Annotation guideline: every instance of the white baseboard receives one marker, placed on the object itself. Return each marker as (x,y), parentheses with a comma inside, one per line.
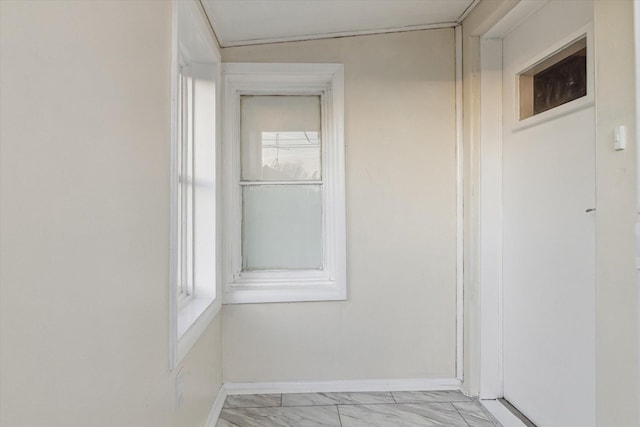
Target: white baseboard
(212,419)
(502,414)
(412,384)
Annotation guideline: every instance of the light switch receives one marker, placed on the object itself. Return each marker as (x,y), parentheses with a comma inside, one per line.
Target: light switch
(620,138)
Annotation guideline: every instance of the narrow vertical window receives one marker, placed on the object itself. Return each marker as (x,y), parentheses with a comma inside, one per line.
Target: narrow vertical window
(194,183)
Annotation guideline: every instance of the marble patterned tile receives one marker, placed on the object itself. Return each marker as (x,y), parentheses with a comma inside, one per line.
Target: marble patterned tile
(474,415)
(300,416)
(429,396)
(310,399)
(401,415)
(253,401)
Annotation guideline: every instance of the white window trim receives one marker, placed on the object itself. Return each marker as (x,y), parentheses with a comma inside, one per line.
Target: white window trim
(326,80)
(193,43)
(569,107)
(184,223)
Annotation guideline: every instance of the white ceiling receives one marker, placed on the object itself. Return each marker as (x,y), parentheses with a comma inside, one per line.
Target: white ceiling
(246,22)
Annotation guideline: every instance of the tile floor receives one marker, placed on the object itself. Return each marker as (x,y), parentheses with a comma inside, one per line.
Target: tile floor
(388,409)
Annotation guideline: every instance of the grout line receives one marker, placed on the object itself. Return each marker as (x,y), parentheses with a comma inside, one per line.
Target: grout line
(484,414)
(252,407)
(459,411)
(342,404)
(461,415)
(373,404)
(488,415)
(348,404)
(325,394)
(413,402)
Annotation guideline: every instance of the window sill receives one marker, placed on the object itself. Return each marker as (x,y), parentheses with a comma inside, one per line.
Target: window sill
(248,294)
(193,319)
(562,110)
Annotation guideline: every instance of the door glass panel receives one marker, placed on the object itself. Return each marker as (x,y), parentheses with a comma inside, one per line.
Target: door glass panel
(557,80)
(280,138)
(281,227)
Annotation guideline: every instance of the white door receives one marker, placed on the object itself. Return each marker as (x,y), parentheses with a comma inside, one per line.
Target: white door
(549,236)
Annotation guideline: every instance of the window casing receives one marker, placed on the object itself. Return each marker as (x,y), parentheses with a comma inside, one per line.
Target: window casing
(571,87)
(195,117)
(557,80)
(284,223)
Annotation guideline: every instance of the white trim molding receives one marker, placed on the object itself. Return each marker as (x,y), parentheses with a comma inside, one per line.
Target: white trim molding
(216,408)
(636,26)
(502,414)
(459,209)
(514,17)
(329,282)
(193,45)
(409,384)
(491,219)
(322,36)
(586,101)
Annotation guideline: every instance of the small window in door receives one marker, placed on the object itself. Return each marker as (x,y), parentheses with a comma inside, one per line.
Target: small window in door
(557,80)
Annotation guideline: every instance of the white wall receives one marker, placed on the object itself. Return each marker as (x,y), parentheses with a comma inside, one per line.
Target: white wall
(84,241)
(616,276)
(399,319)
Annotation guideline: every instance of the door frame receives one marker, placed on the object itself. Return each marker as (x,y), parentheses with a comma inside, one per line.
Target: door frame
(485,205)
(490,181)
(491,385)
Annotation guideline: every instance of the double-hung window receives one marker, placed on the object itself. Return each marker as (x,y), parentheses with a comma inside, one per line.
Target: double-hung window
(284,199)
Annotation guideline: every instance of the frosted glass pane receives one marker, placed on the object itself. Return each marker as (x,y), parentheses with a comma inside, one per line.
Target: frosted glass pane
(281,227)
(280,138)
